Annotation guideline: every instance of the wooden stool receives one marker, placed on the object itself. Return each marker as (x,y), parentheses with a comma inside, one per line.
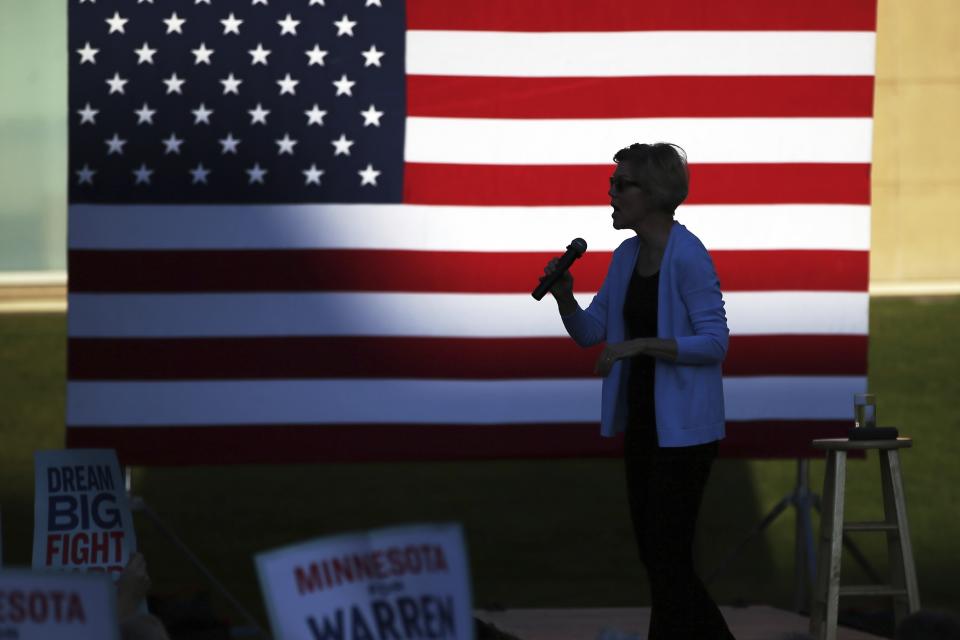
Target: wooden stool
(903,575)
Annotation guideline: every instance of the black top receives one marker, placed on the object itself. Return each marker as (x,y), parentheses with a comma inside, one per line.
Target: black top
(640,317)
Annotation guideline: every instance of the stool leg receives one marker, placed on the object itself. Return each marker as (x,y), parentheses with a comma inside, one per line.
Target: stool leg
(903,573)
(819,596)
(819,586)
(826,600)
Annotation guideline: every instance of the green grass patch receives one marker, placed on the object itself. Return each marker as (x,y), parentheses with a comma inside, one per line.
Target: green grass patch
(548,533)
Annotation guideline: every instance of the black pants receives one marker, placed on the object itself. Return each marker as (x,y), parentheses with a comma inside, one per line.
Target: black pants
(665,486)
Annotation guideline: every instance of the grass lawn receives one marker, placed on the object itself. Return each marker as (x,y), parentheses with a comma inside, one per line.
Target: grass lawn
(540,533)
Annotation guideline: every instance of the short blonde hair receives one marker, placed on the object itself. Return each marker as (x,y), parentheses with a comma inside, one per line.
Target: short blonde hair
(661,170)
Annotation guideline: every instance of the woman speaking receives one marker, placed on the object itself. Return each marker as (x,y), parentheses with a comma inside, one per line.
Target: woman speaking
(661,314)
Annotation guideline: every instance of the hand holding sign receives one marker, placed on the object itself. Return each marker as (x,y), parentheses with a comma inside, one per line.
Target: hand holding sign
(132,586)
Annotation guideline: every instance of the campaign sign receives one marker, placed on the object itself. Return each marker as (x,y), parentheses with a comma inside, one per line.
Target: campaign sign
(56,606)
(82,519)
(404,582)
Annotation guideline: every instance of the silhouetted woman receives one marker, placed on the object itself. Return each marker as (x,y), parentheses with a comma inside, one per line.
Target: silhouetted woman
(661,314)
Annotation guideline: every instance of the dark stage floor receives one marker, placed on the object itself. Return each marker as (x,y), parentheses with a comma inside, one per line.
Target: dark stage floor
(746,623)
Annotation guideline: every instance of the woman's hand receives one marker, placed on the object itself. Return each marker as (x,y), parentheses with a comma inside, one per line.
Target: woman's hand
(562,289)
(614,352)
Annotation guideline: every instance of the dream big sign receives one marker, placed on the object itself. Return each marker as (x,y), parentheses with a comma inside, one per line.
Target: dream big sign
(82,518)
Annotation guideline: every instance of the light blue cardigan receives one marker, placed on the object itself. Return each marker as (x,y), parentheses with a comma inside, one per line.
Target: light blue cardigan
(688,393)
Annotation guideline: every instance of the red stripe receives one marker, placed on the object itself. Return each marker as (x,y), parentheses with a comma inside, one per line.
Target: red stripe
(656,97)
(285,444)
(780,439)
(440,358)
(793,270)
(427,271)
(536,185)
(617,15)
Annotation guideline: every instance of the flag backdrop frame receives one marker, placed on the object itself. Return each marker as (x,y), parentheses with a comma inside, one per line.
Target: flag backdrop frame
(271,328)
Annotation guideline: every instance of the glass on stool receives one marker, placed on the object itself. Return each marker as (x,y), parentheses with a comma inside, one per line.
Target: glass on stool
(864,410)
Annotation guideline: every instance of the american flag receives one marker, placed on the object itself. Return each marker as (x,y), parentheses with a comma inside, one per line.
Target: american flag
(308,229)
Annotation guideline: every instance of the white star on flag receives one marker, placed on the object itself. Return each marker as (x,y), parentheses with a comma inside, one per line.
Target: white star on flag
(258,115)
(172,144)
(341,145)
(142,174)
(202,54)
(174,23)
(231,24)
(200,174)
(371,116)
(145,114)
(312,175)
(288,85)
(315,115)
(316,55)
(368,176)
(288,25)
(316,2)
(85,175)
(344,86)
(88,115)
(371,57)
(229,144)
(145,54)
(345,26)
(115,145)
(231,85)
(88,54)
(116,23)
(174,84)
(259,54)
(285,145)
(371,3)
(256,173)
(201,114)
(263,2)
(116,84)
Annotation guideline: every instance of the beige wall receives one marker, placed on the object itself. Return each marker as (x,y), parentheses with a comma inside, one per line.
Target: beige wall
(916,164)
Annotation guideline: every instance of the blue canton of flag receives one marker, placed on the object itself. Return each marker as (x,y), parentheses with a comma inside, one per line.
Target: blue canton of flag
(209,102)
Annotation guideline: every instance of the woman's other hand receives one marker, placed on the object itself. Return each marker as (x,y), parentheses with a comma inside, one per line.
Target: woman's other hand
(614,352)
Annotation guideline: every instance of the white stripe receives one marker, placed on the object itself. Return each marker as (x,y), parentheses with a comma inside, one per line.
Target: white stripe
(641,53)
(791,226)
(797,312)
(335,401)
(791,397)
(420,314)
(589,141)
(421,401)
(444,228)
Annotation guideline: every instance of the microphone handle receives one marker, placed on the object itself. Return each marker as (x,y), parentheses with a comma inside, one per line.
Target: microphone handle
(565,261)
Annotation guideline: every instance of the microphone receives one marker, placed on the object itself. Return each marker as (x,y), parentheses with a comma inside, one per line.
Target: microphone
(574,250)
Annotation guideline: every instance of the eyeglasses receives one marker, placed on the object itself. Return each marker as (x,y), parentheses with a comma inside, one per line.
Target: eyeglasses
(619,183)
